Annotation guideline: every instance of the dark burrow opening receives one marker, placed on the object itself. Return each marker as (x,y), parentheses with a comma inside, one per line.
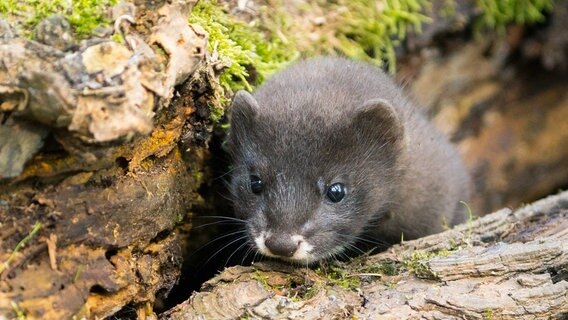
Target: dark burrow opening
(211,242)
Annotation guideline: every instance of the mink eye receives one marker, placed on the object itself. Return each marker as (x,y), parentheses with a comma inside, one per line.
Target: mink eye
(255,184)
(335,192)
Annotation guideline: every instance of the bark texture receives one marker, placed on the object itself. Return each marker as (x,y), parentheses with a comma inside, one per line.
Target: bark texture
(87,225)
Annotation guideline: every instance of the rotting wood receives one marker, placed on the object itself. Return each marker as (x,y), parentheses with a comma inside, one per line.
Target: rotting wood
(105,91)
(110,195)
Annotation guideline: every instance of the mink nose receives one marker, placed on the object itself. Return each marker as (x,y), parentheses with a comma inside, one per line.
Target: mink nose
(282,245)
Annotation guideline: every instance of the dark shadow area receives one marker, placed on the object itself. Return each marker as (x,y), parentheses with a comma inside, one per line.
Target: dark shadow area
(210,242)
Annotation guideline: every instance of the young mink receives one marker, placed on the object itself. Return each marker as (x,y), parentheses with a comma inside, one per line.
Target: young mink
(329,152)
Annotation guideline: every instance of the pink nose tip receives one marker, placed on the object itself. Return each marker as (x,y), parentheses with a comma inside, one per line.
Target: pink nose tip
(282,245)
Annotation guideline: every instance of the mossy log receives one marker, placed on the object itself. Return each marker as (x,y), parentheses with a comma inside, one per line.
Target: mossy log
(506,265)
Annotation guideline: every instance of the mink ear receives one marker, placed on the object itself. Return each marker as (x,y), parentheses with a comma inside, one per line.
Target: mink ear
(243,111)
(377,120)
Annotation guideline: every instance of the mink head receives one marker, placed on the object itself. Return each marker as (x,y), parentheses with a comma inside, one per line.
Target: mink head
(310,174)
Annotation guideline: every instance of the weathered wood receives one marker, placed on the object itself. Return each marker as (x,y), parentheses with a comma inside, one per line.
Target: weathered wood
(87,226)
(478,270)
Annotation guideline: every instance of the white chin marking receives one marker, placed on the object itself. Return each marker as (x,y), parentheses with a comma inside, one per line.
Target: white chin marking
(304,250)
(303,253)
(259,241)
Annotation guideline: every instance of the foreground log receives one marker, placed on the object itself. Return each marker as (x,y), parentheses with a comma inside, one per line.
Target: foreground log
(506,265)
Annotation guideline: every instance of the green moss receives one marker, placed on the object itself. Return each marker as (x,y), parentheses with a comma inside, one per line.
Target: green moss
(417,262)
(468,239)
(117,37)
(83,15)
(371,30)
(362,29)
(20,315)
(78,273)
(263,280)
(197,175)
(311,292)
(295,289)
(301,292)
(241,47)
(246,316)
(339,277)
(488,314)
(389,269)
(497,14)
(6,264)
(448,8)
(217,111)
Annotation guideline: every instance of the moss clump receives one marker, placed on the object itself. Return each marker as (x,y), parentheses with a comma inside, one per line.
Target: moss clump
(417,263)
(241,47)
(20,315)
(359,29)
(387,268)
(300,290)
(83,15)
(117,37)
(339,277)
(263,280)
(497,14)
(246,316)
(311,292)
(371,30)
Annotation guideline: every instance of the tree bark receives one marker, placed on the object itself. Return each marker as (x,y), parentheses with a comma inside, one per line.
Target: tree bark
(87,225)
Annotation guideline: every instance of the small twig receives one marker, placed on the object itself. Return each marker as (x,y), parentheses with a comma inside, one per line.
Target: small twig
(366,275)
(469,223)
(19,313)
(19,246)
(78,273)
(52,250)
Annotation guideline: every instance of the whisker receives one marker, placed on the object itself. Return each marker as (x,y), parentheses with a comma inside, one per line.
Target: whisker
(225,246)
(229,258)
(221,217)
(224,223)
(250,249)
(355,248)
(254,257)
(227,198)
(341,254)
(219,238)
(228,172)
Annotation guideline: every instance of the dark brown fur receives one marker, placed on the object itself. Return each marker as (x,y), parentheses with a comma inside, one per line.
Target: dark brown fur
(330,120)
